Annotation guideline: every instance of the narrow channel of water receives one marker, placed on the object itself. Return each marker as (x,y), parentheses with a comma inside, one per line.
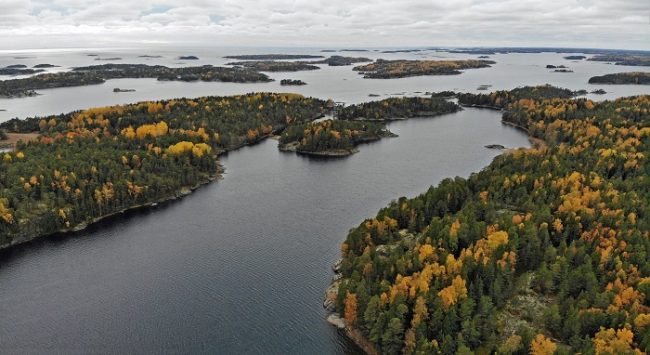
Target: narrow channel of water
(238,267)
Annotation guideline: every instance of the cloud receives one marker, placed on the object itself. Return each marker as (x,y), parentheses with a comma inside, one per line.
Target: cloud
(577,23)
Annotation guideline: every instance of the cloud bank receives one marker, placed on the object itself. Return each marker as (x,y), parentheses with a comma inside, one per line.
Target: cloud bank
(573,23)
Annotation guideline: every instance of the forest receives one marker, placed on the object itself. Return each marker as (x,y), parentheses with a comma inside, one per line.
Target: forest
(88,164)
(545,251)
(639,78)
(331,137)
(398,108)
(98,74)
(389,69)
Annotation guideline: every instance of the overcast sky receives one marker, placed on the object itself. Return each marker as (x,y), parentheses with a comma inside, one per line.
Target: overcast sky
(343,23)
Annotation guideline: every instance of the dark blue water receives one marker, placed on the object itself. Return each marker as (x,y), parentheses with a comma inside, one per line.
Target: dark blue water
(238,267)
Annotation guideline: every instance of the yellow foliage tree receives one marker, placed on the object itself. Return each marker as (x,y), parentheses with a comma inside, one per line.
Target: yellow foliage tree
(455,292)
(350,309)
(541,345)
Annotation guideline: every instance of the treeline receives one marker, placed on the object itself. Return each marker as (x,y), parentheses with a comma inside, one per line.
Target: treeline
(398,107)
(91,163)
(97,74)
(544,251)
(331,137)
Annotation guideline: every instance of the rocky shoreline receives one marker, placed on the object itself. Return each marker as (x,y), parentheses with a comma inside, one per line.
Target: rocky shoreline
(334,319)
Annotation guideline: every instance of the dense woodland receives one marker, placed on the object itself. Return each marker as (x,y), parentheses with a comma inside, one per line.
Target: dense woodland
(331,137)
(398,108)
(388,69)
(97,74)
(91,163)
(544,251)
(640,78)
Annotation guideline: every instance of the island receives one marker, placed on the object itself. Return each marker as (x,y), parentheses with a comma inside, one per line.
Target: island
(98,74)
(337,60)
(635,78)
(45,65)
(331,138)
(575,57)
(150,56)
(599,92)
(188,57)
(499,100)
(542,249)
(389,69)
(13,70)
(286,82)
(108,58)
(272,56)
(623,59)
(396,108)
(563,71)
(274,66)
(123,90)
(87,165)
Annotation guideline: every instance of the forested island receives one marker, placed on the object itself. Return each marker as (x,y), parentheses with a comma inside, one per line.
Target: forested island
(86,165)
(332,138)
(623,59)
(388,69)
(337,60)
(637,78)
(273,66)
(396,108)
(292,82)
(272,56)
(575,57)
(98,74)
(544,251)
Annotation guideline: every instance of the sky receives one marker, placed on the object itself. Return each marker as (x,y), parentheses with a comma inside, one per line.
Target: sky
(33,24)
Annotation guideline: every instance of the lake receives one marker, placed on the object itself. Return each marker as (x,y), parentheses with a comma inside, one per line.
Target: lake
(241,265)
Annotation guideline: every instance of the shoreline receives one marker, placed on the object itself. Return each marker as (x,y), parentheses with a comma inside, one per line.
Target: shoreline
(81,226)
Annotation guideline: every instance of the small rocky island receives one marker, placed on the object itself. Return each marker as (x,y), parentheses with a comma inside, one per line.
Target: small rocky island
(635,78)
(331,138)
(45,65)
(290,82)
(188,57)
(390,69)
(123,90)
(599,92)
